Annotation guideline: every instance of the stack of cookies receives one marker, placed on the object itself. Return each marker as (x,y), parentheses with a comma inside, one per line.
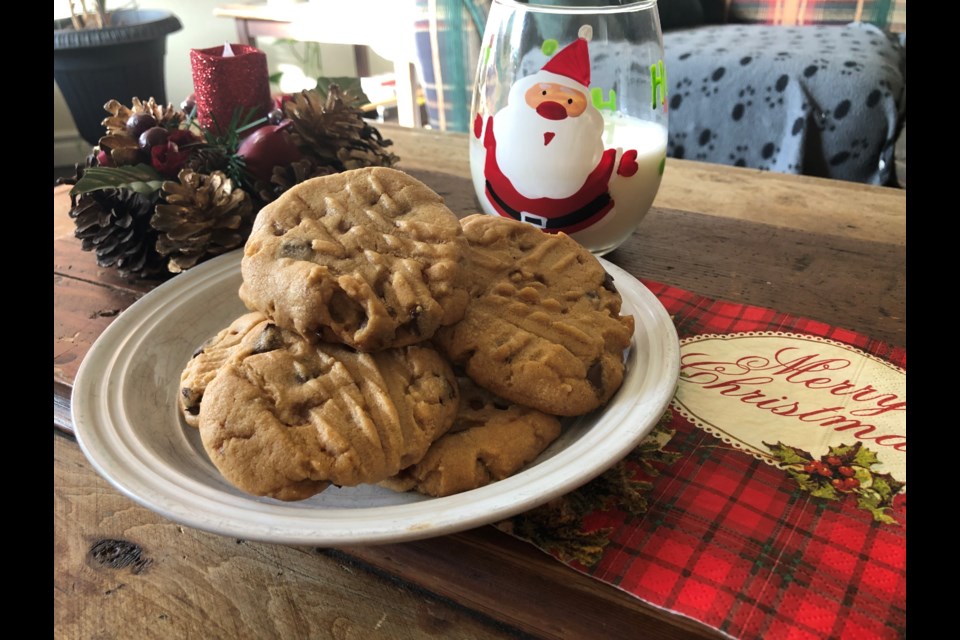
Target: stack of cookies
(387,342)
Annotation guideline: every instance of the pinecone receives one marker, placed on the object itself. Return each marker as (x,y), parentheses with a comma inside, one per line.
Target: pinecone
(115,223)
(332,130)
(116,124)
(122,149)
(285,177)
(203,216)
(207,159)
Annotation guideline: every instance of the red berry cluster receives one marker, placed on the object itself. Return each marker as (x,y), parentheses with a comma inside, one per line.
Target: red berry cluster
(835,470)
(157,145)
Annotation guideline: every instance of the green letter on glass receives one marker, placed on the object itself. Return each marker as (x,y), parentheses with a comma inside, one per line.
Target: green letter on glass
(658,80)
(596,96)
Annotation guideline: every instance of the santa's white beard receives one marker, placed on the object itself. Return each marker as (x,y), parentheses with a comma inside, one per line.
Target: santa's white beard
(554,170)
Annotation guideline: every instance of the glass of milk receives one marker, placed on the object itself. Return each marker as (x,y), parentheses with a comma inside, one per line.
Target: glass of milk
(569,116)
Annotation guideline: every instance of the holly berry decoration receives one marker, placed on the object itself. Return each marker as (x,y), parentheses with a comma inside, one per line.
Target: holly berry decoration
(843,471)
(168,153)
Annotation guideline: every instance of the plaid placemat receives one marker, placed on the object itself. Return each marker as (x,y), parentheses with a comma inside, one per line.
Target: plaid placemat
(762,540)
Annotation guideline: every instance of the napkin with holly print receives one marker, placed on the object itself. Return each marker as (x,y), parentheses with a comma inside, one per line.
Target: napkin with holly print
(769,501)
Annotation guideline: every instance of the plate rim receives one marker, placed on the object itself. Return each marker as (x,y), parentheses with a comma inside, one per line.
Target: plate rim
(291,523)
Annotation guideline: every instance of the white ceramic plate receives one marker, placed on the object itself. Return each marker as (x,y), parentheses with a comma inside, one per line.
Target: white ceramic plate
(126,421)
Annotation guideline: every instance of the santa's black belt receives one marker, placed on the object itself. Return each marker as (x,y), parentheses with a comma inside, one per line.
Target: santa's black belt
(585,212)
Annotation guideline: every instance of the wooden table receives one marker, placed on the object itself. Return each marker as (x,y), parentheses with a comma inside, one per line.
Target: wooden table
(828,250)
(386,26)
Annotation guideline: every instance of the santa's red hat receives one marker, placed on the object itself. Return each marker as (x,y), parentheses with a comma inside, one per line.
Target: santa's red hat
(573,61)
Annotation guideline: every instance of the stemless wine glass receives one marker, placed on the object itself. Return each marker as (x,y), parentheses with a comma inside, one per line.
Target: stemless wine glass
(569,116)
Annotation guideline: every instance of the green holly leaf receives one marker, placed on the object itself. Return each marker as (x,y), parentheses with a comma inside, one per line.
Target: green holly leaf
(886,486)
(651,448)
(805,480)
(787,454)
(553,528)
(648,452)
(880,516)
(827,491)
(869,501)
(865,458)
(347,84)
(141,178)
(846,452)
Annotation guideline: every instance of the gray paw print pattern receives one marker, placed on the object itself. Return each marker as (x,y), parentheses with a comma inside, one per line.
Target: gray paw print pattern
(825,101)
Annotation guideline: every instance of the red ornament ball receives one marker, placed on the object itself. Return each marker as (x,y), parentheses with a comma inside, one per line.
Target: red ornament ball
(268,147)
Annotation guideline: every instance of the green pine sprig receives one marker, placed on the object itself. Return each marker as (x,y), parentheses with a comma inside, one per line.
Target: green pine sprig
(229,141)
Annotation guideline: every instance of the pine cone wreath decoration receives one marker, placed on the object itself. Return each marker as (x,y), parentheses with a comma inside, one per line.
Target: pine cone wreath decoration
(202,216)
(332,130)
(129,210)
(115,224)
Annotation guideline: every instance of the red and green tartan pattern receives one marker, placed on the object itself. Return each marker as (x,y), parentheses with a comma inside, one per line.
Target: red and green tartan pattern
(734,542)
(890,15)
(695,315)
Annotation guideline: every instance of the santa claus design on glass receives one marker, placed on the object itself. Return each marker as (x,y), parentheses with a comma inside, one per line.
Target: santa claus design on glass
(569,116)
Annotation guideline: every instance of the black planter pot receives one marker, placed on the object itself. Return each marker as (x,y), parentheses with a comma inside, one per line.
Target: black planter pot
(122,61)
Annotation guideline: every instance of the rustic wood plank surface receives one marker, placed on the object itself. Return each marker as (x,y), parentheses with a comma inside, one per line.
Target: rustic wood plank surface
(83,311)
(828,250)
(134,574)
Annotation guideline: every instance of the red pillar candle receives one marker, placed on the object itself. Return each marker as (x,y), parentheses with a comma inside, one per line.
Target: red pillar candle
(222,84)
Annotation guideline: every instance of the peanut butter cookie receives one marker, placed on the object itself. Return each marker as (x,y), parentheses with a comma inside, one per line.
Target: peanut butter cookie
(284,418)
(205,362)
(370,258)
(491,439)
(543,327)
